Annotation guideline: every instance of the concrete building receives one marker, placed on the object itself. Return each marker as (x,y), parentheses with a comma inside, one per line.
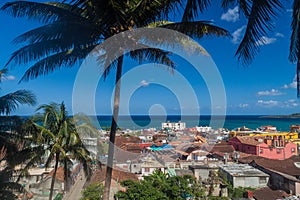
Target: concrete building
(203,129)
(174,126)
(284,174)
(243,175)
(150,165)
(91,145)
(201,172)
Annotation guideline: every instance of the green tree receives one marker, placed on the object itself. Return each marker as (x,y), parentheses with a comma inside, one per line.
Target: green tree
(60,43)
(93,192)
(56,132)
(160,186)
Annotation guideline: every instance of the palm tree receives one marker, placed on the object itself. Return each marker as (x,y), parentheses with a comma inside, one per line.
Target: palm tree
(58,135)
(9,138)
(10,102)
(59,43)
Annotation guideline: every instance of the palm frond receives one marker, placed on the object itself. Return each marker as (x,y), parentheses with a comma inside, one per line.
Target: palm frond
(41,12)
(262,12)
(193,7)
(197,29)
(154,55)
(11,101)
(61,30)
(56,61)
(295,41)
(295,36)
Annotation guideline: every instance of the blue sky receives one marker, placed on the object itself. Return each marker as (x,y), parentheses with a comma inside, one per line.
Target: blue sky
(267,86)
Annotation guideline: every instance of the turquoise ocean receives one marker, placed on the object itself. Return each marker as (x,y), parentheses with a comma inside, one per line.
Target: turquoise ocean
(230,122)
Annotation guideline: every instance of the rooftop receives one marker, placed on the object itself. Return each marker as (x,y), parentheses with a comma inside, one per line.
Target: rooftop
(117,174)
(267,193)
(242,170)
(288,166)
(249,140)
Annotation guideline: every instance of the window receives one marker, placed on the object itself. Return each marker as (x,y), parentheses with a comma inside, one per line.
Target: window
(260,151)
(293,150)
(278,150)
(147,169)
(262,180)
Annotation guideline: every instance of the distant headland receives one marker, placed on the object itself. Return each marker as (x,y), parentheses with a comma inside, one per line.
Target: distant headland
(294,115)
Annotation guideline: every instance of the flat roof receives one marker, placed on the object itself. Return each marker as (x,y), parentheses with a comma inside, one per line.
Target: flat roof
(242,170)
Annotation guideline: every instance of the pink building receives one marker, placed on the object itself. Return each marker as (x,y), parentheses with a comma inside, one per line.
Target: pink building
(275,148)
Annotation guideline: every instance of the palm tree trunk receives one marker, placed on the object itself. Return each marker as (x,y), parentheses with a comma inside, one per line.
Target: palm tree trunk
(53,176)
(66,175)
(113,130)
(298,76)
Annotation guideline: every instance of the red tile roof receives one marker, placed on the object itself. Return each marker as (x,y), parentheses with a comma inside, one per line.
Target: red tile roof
(286,166)
(117,175)
(126,139)
(248,140)
(59,174)
(225,148)
(267,193)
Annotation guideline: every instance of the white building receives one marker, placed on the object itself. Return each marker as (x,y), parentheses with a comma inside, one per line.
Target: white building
(203,129)
(175,126)
(91,145)
(243,175)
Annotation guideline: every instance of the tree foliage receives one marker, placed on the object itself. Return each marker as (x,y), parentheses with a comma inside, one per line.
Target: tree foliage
(93,192)
(161,186)
(56,132)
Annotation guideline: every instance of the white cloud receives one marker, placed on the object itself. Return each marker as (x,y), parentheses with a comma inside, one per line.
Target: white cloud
(232,15)
(293,84)
(272,92)
(237,34)
(269,103)
(8,78)
(265,41)
(280,35)
(243,105)
(291,103)
(144,83)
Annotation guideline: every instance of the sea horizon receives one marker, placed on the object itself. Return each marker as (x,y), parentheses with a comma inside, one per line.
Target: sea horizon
(230,122)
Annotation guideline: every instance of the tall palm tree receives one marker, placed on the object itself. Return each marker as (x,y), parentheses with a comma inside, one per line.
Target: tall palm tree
(60,43)
(58,135)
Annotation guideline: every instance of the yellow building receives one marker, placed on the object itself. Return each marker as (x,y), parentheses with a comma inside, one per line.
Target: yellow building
(284,135)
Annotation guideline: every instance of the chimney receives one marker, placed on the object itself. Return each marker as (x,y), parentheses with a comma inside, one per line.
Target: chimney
(248,194)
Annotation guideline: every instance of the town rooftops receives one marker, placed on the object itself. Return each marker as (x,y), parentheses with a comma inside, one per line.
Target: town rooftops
(222,147)
(242,170)
(250,140)
(205,166)
(117,174)
(288,166)
(59,174)
(128,139)
(39,171)
(267,193)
